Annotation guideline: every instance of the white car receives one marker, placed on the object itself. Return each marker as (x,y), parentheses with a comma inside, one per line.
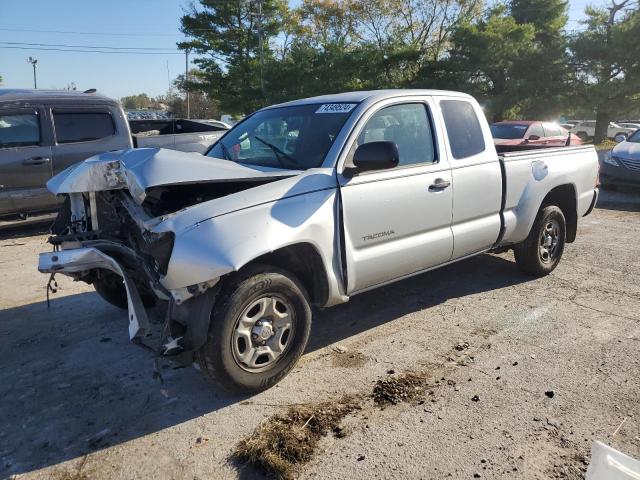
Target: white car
(635,126)
(616,131)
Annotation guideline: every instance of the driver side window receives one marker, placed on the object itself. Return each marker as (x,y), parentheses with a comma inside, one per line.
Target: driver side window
(408,126)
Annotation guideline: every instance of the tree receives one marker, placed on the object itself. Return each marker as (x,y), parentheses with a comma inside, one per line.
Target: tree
(545,83)
(136,102)
(605,56)
(231,37)
(488,58)
(201,105)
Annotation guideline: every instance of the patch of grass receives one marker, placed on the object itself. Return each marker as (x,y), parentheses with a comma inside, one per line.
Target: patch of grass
(284,441)
(395,390)
(606,145)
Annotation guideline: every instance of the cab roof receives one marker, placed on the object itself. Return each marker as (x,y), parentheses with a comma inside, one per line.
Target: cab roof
(28,96)
(372,95)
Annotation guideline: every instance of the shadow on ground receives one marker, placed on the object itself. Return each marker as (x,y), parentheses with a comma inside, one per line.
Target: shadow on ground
(21,229)
(71,382)
(623,199)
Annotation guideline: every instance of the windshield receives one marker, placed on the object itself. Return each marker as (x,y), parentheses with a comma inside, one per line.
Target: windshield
(289,137)
(505,131)
(634,137)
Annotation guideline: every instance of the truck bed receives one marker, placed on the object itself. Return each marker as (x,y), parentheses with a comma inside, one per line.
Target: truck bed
(528,173)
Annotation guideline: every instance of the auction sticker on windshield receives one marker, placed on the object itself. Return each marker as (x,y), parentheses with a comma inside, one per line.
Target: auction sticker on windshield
(336,108)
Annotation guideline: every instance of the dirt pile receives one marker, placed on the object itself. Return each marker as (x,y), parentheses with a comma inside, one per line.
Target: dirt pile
(395,390)
(284,441)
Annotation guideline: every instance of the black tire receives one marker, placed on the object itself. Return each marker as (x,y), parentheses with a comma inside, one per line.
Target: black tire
(217,359)
(529,256)
(582,136)
(110,287)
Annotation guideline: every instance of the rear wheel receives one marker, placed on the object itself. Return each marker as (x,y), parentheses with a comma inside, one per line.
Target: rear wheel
(259,328)
(110,287)
(582,136)
(542,250)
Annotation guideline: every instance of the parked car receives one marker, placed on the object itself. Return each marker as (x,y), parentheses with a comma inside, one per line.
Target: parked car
(176,133)
(587,129)
(306,203)
(42,132)
(635,126)
(526,135)
(621,166)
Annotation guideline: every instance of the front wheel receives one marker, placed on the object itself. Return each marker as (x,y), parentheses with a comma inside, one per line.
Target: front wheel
(259,328)
(541,251)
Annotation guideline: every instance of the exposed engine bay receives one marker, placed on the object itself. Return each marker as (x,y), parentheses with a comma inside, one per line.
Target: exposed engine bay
(113,232)
(168,199)
(112,223)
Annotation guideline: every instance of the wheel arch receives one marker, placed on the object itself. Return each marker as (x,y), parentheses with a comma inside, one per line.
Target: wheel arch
(565,198)
(305,262)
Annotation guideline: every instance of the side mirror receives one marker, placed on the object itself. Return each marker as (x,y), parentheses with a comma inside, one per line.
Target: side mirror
(533,137)
(376,156)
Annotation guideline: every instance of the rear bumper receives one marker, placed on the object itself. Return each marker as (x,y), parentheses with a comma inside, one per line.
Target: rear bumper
(80,260)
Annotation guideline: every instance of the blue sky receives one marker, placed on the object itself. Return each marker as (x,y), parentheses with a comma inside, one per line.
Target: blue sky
(119,24)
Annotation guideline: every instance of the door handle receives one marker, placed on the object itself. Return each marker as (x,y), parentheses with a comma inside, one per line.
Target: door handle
(439,184)
(36,161)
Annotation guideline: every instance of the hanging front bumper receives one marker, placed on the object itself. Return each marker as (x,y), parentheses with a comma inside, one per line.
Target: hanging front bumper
(78,260)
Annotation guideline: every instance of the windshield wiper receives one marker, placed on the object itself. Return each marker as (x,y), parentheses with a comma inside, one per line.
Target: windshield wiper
(277,152)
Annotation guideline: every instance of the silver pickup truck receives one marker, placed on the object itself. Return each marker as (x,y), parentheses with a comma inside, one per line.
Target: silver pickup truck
(300,204)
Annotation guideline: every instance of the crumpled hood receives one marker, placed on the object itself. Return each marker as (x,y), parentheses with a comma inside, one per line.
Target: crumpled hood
(143,168)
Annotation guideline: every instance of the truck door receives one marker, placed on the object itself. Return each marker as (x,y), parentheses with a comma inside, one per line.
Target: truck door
(398,221)
(25,161)
(477,177)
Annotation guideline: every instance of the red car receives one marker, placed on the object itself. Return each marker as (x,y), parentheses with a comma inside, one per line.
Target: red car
(521,135)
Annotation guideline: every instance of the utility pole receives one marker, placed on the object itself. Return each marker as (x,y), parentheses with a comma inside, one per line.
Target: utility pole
(260,47)
(33,61)
(186,80)
(259,19)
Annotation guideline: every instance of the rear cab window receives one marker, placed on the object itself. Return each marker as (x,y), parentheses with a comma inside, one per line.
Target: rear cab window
(73,127)
(463,128)
(19,129)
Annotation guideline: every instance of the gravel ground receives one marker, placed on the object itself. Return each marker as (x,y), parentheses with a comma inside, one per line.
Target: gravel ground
(79,401)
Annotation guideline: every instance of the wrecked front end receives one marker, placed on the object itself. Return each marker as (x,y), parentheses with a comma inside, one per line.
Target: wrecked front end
(116,230)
